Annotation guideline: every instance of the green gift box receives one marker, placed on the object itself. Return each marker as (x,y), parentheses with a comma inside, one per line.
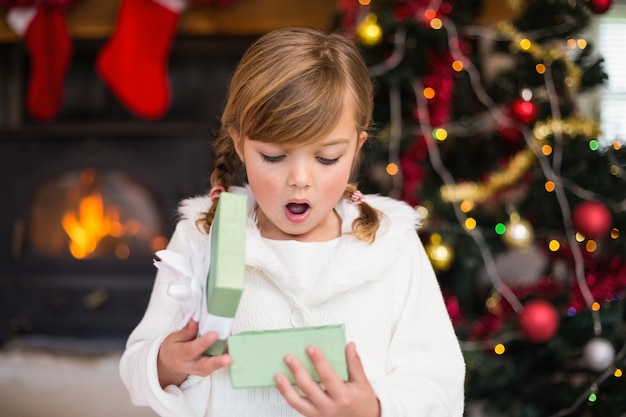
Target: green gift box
(259,355)
(227,271)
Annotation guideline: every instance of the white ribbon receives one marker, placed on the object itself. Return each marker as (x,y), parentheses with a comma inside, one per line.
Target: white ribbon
(185,287)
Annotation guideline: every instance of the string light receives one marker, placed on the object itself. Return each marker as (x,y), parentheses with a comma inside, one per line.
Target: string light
(546,150)
(591,246)
(457,65)
(429,93)
(440,134)
(554,245)
(392,169)
(436,23)
(469,194)
(466,206)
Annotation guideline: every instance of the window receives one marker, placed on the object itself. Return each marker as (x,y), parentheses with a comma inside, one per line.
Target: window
(610,44)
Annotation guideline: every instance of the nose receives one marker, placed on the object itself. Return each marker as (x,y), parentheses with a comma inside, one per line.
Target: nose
(299,174)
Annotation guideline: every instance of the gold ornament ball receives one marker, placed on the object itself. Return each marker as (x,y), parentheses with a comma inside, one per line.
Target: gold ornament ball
(369,31)
(519,234)
(440,254)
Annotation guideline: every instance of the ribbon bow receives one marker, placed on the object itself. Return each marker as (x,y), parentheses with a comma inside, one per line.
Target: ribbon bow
(185,288)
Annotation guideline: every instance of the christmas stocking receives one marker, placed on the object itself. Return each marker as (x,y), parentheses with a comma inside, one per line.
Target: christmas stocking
(49,46)
(133,64)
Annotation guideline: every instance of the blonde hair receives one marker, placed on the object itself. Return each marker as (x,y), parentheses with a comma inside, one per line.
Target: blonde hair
(290,88)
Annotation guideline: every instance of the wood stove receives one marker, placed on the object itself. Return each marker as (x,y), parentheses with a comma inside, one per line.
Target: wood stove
(88,199)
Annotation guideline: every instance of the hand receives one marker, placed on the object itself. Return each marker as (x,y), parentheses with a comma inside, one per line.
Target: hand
(182,354)
(356,397)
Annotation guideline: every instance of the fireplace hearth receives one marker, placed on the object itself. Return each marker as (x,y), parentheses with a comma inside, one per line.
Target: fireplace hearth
(88,198)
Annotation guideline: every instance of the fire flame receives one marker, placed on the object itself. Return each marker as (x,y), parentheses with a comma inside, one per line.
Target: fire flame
(86,229)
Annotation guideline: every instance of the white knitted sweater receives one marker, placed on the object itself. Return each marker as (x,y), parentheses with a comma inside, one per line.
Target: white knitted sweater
(385,293)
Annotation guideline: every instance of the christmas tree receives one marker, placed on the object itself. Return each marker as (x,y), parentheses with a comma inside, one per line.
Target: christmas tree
(480,127)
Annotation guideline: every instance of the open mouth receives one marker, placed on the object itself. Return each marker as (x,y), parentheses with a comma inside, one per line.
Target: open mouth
(297,208)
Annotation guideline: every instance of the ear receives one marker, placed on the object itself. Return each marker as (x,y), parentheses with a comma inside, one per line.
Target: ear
(361,141)
(234,136)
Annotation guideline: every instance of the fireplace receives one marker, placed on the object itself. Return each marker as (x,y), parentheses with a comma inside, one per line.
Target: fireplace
(88,198)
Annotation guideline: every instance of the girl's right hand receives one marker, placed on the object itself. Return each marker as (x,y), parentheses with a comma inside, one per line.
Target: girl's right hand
(182,354)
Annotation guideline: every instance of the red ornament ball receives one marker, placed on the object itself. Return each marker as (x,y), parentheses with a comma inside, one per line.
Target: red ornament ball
(538,321)
(524,111)
(599,6)
(592,219)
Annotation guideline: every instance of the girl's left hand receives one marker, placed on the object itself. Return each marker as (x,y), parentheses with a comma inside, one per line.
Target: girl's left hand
(354,397)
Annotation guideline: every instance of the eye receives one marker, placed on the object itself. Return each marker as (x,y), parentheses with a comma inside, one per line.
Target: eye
(327,161)
(272,159)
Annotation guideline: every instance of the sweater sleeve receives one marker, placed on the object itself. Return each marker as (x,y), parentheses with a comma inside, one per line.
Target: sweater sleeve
(425,366)
(138,365)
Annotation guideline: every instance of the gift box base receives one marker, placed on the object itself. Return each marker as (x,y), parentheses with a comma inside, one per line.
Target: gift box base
(259,356)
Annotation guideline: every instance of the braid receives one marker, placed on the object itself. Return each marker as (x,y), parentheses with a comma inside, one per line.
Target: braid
(224,173)
(366,225)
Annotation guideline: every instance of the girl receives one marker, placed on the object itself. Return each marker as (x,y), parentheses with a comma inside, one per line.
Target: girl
(317,252)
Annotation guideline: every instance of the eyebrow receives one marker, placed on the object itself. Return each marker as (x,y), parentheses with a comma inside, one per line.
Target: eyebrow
(333,142)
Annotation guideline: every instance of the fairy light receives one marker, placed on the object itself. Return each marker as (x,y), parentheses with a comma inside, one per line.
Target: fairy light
(457,65)
(364,2)
(429,93)
(540,68)
(571,43)
(618,373)
(430,14)
(499,349)
(470,223)
(591,246)
(436,23)
(444,173)
(546,150)
(549,186)
(595,306)
(392,169)
(614,233)
(579,237)
(500,228)
(617,145)
(440,134)
(525,44)
(554,245)
(581,43)
(594,145)
(466,206)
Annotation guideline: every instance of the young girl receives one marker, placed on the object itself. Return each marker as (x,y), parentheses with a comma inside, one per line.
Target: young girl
(317,252)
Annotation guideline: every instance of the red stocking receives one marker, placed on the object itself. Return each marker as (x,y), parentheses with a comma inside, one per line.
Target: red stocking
(133,64)
(50,49)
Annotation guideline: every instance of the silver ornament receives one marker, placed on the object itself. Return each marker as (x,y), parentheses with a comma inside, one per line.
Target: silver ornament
(599,354)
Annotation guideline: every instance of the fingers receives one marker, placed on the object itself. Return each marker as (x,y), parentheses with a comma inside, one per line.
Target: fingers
(184,351)
(327,375)
(356,373)
(301,404)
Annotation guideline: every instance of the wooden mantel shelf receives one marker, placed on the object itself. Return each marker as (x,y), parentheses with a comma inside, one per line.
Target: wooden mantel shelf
(95,19)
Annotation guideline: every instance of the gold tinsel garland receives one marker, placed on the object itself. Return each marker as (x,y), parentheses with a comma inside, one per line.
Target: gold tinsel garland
(544,55)
(478,192)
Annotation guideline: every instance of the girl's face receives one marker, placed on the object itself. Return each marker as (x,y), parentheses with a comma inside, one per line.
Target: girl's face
(297,187)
